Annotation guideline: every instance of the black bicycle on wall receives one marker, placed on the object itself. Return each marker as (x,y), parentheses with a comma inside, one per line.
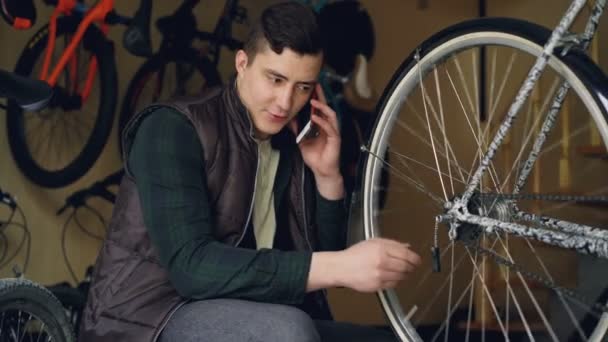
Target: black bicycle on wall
(186,62)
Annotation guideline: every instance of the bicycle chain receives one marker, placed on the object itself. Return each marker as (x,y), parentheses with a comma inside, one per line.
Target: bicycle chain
(548,197)
(595,306)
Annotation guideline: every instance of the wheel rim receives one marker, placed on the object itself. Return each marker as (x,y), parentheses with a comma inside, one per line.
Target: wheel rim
(404,112)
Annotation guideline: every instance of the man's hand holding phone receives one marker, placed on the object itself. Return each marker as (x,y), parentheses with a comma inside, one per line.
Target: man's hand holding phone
(320,146)
(309,130)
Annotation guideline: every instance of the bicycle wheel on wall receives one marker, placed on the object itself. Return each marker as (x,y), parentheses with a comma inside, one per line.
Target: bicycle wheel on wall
(165,76)
(57,145)
(429,124)
(29,312)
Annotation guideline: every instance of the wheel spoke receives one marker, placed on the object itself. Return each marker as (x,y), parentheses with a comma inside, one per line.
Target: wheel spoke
(428,122)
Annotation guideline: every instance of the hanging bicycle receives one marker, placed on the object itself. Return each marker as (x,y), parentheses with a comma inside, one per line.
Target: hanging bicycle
(56,146)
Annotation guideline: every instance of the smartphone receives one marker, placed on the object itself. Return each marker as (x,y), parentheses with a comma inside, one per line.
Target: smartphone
(309,130)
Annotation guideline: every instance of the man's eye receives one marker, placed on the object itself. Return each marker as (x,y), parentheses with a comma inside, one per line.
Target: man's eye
(305,88)
(275,79)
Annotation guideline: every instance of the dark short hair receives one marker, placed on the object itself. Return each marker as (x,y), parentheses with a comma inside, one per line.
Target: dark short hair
(289,25)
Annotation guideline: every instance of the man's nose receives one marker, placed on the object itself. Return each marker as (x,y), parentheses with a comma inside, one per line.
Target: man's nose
(285,99)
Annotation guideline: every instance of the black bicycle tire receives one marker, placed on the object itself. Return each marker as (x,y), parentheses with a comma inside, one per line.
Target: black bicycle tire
(103,50)
(28,296)
(204,65)
(583,66)
(68,296)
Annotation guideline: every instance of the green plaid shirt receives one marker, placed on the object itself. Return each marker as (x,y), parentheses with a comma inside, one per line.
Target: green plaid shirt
(166,162)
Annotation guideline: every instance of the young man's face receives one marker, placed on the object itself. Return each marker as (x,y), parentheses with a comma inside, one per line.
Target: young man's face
(274,87)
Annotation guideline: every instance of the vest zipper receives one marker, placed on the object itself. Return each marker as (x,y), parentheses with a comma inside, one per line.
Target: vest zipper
(255,184)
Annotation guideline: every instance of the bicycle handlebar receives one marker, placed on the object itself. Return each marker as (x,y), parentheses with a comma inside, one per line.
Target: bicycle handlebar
(29,93)
(99,188)
(7,199)
(136,38)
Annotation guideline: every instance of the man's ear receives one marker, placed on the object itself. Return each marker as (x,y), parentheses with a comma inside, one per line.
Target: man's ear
(240,60)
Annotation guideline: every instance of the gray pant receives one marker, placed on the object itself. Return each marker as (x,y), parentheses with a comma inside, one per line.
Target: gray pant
(231,320)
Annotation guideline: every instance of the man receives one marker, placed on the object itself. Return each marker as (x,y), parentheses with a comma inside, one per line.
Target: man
(224,229)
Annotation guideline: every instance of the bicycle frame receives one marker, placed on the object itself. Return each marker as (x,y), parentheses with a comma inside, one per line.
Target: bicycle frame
(97,13)
(220,36)
(587,239)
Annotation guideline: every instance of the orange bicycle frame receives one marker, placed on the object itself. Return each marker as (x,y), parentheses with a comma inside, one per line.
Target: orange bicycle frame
(96,13)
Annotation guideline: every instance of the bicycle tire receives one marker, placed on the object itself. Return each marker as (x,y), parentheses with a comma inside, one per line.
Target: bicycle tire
(83,154)
(73,300)
(587,81)
(133,101)
(29,298)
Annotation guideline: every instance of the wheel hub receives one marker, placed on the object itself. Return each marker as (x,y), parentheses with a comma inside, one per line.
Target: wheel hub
(484,205)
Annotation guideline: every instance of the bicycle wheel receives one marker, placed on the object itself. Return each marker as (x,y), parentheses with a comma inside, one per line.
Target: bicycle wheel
(29,312)
(492,285)
(165,76)
(56,146)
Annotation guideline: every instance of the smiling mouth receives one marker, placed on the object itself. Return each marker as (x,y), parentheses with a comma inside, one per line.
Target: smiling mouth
(277,117)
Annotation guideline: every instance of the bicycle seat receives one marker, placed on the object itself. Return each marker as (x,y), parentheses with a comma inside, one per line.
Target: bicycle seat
(136,38)
(357,91)
(29,93)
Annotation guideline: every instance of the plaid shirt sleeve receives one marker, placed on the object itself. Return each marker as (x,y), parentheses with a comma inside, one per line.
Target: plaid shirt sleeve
(166,162)
(331,218)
